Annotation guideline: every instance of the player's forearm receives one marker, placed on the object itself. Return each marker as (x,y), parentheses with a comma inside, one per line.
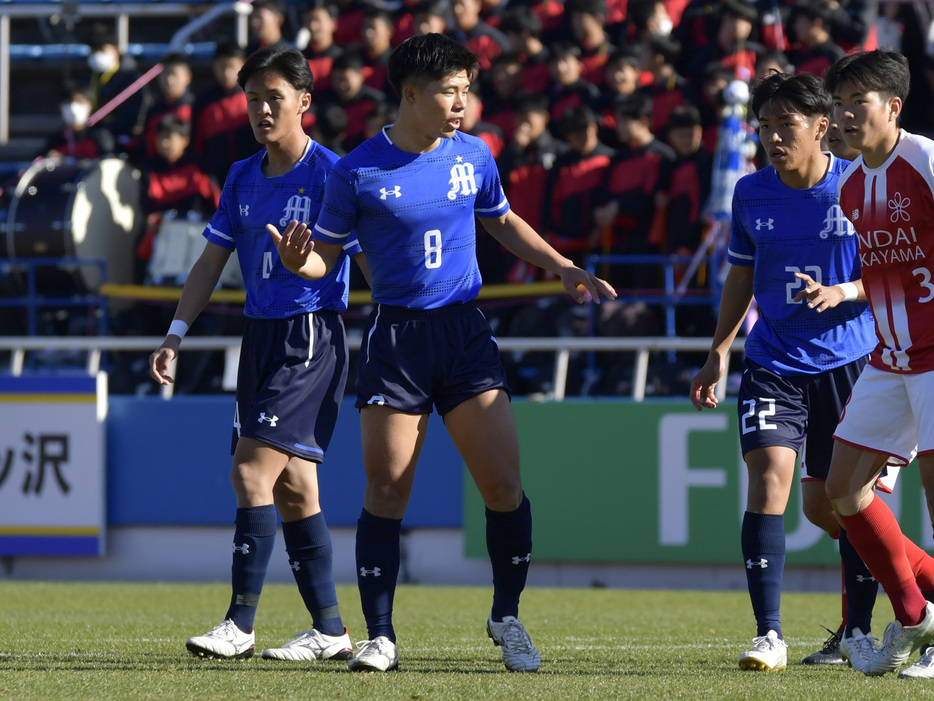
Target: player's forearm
(523,241)
(198,288)
(734,304)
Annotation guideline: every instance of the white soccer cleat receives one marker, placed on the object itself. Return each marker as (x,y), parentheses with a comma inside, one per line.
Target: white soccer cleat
(519,654)
(898,642)
(769,654)
(313,645)
(377,655)
(224,642)
(829,653)
(922,669)
(858,649)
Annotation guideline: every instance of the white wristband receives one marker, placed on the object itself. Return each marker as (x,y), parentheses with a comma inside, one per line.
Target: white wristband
(850,292)
(177,328)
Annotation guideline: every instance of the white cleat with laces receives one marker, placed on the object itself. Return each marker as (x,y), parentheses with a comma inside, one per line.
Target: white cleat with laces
(519,654)
(858,649)
(313,645)
(899,641)
(922,669)
(223,642)
(769,654)
(377,655)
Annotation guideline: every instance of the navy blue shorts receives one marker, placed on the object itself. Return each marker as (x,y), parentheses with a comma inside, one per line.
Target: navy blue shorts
(795,410)
(291,381)
(412,359)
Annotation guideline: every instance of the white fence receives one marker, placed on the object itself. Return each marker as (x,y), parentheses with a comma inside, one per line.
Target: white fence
(561,347)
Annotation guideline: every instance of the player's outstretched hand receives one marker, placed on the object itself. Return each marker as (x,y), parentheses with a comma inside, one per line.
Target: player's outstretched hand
(160,362)
(819,298)
(584,286)
(703,385)
(294,244)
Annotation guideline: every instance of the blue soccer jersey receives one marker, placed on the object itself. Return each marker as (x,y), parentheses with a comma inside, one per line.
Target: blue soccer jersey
(781,231)
(249,201)
(414,216)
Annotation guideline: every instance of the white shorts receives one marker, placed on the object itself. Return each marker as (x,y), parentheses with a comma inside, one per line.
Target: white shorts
(891,414)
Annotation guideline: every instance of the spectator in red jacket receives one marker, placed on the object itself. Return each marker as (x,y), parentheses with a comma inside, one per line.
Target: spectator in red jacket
(523,30)
(667,89)
(320,22)
(469,29)
(176,98)
(376,45)
(221,127)
(349,91)
(472,123)
(813,51)
(587,19)
(567,88)
(622,79)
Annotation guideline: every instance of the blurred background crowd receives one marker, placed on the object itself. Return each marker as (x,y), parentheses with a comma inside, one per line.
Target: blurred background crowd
(605,117)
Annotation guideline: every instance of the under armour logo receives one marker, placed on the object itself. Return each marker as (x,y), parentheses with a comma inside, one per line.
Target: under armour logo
(863,578)
(516,559)
(378,400)
(384,193)
(763,563)
(244,210)
(242,549)
(364,571)
(295,565)
(768,224)
(271,419)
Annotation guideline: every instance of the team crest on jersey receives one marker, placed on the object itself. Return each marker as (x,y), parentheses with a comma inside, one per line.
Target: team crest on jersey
(899,207)
(854,215)
(462,180)
(836,223)
(298,208)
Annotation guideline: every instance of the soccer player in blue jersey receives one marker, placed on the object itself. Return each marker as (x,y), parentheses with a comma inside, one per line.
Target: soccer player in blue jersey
(293,363)
(793,249)
(411,193)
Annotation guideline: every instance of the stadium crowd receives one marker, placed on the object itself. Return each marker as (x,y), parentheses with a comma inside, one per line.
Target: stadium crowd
(603,116)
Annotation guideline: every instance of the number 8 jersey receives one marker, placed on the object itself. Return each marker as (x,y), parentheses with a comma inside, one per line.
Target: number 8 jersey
(781,231)
(892,208)
(413,215)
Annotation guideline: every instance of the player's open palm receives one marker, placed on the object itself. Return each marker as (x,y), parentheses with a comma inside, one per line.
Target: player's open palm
(294,244)
(704,383)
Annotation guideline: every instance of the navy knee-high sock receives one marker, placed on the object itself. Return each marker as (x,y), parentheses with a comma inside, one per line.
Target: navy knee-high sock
(861,587)
(763,544)
(509,543)
(378,557)
(311,558)
(254,539)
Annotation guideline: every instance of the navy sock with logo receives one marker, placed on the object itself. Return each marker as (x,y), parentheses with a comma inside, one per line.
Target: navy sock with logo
(254,539)
(311,558)
(763,544)
(509,543)
(861,587)
(378,558)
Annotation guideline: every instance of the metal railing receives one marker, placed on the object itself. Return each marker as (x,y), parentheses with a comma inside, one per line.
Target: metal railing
(18,346)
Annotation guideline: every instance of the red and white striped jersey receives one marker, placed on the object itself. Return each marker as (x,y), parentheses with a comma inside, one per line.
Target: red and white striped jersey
(892,210)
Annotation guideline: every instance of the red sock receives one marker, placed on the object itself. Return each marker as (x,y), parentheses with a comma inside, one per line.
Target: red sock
(878,539)
(922,565)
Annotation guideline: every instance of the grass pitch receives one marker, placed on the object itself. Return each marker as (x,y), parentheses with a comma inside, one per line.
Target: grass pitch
(126,641)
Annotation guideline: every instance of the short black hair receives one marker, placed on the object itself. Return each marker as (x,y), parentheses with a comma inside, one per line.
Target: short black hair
(812,9)
(740,9)
(625,56)
(277,6)
(563,49)
(426,57)
(102,35)
(637,105)
(173,124)
(527,101)
(577,119)
(596,8)
(349,60)
(884,71)
(288,63)
(667,47)
(521,19)
(684,116)
(175,59)
(228,48)
(801,93)
(327,5)
(331,121)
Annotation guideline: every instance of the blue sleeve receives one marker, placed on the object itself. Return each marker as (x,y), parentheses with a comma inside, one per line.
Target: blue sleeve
(742,250)
(491,201)
(338,215)
(219,230)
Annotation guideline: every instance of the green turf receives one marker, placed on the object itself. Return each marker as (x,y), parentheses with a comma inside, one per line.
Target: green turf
(126,641)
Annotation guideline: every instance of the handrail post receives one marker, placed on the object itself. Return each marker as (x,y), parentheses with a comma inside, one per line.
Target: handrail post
(640,375)
(562,357)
